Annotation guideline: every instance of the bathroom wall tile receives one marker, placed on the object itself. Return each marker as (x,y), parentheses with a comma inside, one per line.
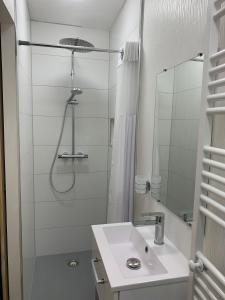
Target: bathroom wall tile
(63,240)
(180,193)
(113,70)
(89,131)
(50,101)
(51,89)
(165,81)
(164,132)
(88,186)
(70,213)
(188,76)
(164,157)
(47,129)
(52,33)
(184,133)
(165,101)
(187,104)
(183,162)
(89,73)
(112,102)
(97,159)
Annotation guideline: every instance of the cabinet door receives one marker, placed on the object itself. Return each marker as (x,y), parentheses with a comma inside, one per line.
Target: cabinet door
(102,284)
(98,277)
(108,294)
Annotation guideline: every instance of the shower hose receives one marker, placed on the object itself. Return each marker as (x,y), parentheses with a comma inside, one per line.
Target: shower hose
(55,158)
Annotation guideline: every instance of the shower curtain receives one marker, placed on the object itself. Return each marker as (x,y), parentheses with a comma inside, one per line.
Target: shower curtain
(121,187)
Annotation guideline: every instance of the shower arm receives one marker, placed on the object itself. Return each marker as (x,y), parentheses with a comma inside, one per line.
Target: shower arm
(73,48)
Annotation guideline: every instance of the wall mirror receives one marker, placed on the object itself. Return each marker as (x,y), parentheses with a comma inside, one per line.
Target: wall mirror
(177,111)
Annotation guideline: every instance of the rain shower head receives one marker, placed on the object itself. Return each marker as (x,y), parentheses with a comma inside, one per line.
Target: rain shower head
(76,42)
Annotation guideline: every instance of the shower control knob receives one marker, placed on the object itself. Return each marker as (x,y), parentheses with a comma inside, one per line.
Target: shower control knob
(78,155)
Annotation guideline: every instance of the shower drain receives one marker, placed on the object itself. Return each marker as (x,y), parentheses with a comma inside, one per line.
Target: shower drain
(73,263)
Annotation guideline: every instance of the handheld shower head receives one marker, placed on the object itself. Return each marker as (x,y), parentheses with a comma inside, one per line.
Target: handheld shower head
(74,92)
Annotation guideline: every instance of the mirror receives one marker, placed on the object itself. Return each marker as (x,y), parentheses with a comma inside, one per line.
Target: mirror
(177,112)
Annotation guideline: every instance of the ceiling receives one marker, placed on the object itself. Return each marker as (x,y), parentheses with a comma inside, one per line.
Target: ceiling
(87,13)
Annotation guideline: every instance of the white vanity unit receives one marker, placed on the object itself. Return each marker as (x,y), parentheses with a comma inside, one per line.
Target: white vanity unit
(163,274)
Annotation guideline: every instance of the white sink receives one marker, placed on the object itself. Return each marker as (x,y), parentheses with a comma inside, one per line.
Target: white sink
(159,264)
(126,242)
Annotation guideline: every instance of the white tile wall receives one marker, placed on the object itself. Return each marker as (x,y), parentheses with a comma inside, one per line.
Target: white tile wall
(165,101)
(188,75)
(26,149)
(97,159)
(70,213)
(186,104)
(164,157)
(50,101)
(90,73)
(112,101)
(180,193)
(183,162)
(88,131)
(163,121)
(63,240)
(63,220)
(88,185)
(184,135)
(165,81)
(52,33)
(164,132)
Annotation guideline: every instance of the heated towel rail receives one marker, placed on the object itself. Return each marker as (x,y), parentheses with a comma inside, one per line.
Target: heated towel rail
(208,281)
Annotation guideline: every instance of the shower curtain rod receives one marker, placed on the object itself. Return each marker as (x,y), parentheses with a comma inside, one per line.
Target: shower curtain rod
(26,43)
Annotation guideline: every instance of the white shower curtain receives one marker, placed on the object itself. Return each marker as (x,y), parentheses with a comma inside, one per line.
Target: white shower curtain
(120,206)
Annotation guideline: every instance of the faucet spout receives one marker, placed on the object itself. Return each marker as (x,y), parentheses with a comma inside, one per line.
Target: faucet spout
(158,219)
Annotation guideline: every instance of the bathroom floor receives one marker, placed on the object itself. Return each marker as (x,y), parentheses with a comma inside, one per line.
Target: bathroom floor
(55,280)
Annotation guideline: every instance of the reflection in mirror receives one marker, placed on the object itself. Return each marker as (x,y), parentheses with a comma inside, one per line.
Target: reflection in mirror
(178,101)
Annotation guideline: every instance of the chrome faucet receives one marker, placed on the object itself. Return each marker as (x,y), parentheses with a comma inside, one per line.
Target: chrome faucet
(157,219)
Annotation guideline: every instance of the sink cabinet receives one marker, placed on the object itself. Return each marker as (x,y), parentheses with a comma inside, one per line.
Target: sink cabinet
(102,290)
(173,291)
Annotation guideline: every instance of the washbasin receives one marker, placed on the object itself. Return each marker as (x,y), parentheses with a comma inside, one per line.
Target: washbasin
(125,244)
(115,244)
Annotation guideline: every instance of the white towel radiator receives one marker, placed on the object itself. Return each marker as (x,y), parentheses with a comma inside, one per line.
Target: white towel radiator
(207,281)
